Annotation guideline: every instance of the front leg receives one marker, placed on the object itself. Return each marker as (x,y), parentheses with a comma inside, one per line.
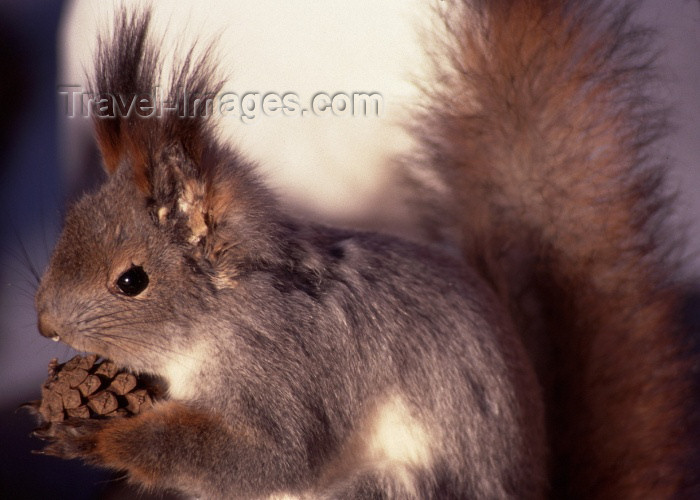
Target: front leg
(180,447)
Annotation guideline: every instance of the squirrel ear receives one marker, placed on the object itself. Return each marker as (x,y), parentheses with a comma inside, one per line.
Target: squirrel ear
(132,122)
(190,203)
(194,192)
(118,141)
(126,70)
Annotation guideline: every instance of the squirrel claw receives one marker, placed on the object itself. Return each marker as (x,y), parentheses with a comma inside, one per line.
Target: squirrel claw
(72,438)
(30,406)
(40,452)
(53,450)
(43,432)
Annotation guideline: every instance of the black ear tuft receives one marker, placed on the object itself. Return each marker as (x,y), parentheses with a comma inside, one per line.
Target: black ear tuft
(194,86)
(125,66)
(137,116)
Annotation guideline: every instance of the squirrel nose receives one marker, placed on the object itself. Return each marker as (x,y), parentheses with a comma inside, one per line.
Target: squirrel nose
(47,327)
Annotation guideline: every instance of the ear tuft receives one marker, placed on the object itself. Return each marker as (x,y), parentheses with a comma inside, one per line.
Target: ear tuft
(127,80)
(125,66)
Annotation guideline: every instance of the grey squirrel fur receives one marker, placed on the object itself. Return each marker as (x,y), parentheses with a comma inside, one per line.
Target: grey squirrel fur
(323,363)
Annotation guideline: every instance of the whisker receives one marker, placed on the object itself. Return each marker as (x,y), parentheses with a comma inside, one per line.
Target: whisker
(90,319)
(153,312)
(115,323)
(44,232)
(124,348)
(171,354)
(24,292)
(153,346)
(26,259)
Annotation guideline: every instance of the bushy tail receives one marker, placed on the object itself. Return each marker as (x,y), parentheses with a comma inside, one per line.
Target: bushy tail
(542,129)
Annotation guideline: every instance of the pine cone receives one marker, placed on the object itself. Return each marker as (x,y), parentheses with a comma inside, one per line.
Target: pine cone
(88,387)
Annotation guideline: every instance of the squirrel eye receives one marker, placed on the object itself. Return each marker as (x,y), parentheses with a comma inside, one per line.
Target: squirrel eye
(133,281)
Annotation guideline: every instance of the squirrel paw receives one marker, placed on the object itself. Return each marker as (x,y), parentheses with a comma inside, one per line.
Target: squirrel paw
(72,438)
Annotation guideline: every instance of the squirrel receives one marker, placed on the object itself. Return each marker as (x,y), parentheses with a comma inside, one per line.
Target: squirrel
(543,359)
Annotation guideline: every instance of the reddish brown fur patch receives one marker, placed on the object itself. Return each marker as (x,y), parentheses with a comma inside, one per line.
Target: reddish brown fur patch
(109,144)
(119,444)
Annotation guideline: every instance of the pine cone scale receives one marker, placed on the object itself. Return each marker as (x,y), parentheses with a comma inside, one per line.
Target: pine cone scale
(88,387)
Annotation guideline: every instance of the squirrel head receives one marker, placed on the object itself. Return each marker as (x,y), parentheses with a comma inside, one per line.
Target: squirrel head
(141,261)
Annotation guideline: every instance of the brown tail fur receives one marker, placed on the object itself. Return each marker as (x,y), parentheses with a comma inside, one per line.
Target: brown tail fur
(543,130)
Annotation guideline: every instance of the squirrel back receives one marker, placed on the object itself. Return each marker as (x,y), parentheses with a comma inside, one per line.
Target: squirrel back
(541,131)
